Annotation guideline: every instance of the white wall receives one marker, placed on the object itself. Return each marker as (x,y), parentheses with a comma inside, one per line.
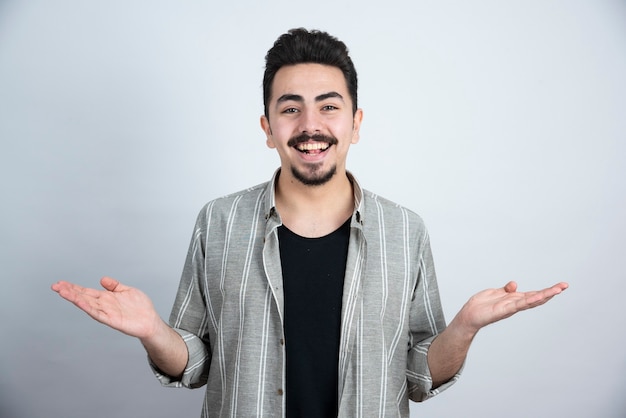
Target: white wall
(501,123)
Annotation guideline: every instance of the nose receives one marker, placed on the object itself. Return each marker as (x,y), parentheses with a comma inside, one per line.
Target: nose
(310,122)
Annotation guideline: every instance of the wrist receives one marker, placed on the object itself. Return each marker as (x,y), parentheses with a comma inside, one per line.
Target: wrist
(158,331)
(462,329)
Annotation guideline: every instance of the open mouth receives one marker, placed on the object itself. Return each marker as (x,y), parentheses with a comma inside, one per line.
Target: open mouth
(312,147)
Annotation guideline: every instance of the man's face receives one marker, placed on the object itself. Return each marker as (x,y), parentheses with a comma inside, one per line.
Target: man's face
(311,123)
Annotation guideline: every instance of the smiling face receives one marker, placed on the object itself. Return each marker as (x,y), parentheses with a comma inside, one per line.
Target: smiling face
(311,123)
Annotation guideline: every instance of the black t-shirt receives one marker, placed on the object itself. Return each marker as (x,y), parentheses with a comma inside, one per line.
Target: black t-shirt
(313,274)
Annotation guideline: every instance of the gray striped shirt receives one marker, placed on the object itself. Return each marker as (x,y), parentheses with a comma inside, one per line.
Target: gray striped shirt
(229,309)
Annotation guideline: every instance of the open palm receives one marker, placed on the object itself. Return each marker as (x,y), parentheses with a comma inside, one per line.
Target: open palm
(121,307)
(492,305)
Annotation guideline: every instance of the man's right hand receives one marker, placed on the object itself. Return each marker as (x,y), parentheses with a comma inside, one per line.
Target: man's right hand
(121,307)
(130,311)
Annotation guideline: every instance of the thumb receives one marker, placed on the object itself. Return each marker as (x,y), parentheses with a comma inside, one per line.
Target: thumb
(110,284)
(510,287)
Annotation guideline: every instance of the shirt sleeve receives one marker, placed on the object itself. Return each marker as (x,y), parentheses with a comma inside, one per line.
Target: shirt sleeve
(189,316)
(426,321)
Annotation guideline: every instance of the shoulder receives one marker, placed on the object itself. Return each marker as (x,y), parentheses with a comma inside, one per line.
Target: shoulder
(373,203)
(378,210)
(244,201)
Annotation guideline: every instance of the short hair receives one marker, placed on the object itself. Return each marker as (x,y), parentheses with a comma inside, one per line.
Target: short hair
(301,46)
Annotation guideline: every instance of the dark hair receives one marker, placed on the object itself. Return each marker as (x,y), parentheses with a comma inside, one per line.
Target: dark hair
(300,46)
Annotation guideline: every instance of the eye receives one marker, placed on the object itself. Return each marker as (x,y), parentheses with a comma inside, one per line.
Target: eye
(290,110)
(329,107)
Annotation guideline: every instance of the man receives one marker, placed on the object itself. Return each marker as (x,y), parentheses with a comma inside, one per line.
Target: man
(306,295)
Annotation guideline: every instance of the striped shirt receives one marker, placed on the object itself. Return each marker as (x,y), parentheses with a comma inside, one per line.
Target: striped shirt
(229,309)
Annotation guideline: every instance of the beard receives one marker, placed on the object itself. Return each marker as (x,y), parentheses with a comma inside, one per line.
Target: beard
(314,175)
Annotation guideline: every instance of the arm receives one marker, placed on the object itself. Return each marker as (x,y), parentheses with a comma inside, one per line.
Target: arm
(130,311)
(449,349)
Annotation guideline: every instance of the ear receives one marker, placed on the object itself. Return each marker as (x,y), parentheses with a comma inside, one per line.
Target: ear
(356,126)
(265,125)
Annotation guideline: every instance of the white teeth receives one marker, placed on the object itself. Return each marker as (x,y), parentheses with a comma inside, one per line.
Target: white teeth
(310,146)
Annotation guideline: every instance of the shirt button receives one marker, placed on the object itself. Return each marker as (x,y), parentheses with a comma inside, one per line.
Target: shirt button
(280,392)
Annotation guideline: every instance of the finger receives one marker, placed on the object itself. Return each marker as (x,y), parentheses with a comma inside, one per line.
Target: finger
(109,283)
(537,300)
(562,285)
(56,286)
(536,296)
(85,300)
(63,285)
(67,290)
(112,285)
(539,297)
(550,292)
(510,287)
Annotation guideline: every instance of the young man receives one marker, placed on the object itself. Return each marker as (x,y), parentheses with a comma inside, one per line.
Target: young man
(306,295)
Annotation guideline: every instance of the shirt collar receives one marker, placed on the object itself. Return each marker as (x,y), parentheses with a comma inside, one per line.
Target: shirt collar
(270,198)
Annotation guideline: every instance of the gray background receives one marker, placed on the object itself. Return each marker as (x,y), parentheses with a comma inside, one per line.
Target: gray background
(502,123)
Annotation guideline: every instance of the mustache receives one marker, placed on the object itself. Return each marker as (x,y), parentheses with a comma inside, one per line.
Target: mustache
(304,137)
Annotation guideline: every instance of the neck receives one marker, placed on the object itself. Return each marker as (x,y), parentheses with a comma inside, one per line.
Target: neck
(314,211)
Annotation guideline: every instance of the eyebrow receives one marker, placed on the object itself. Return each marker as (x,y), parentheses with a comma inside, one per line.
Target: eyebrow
(298,98)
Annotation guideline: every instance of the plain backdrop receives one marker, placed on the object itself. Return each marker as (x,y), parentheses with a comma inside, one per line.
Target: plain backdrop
(501,123)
